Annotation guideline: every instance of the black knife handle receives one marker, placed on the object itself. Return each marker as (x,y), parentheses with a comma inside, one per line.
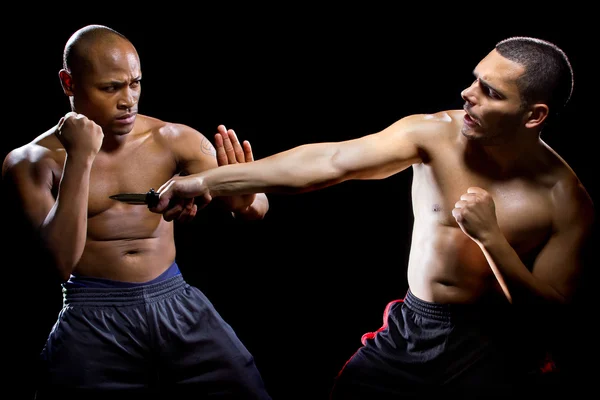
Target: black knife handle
(152,198)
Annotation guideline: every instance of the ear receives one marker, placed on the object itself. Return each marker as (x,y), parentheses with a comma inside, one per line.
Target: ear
(66,81)
(537,115)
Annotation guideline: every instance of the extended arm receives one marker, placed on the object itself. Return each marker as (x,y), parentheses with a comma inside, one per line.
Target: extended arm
(305,168)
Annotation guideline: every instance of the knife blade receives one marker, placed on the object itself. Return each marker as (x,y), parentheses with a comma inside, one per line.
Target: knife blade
(150,198)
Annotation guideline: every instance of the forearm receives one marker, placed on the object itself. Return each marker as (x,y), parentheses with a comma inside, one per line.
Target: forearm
(517,282)
(301,169)
(64,230)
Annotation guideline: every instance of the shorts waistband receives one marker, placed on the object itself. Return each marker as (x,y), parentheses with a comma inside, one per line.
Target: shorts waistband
(123,296)
(442,312)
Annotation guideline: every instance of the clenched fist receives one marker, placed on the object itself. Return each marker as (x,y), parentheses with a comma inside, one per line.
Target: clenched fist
(475,213)
(79,135)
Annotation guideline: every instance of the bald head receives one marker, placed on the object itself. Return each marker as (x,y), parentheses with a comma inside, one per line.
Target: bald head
(86,41)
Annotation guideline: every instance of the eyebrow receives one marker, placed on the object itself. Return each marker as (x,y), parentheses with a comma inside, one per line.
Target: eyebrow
(115,82)
(487,84)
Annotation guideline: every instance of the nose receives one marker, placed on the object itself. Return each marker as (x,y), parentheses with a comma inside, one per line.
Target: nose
(468,94)
(128,99)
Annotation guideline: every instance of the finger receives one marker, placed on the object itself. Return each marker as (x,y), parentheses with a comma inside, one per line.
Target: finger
(185,218)
(59,126)
(460,204)
(248,156)
(237,148)
(164,186)
(468,196)
(63,119)
(165,197)
(219,146)
(221,129)
(228,146)
(475,190)
(172,213)
(187,213)
(456,213)
(193,212)
(202,201)
(162,205)
(69,115)
(218,140)
(76,116)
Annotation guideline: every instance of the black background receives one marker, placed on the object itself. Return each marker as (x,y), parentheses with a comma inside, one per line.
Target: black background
(301,287)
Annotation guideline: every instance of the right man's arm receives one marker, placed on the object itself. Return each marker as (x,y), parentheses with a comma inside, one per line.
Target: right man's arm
(61,222)
(308,167)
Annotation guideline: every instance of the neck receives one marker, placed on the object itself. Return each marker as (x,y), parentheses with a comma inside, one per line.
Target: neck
(112,142)
(502,158)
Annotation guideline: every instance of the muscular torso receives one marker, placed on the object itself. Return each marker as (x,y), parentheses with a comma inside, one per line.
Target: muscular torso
(445,265)
(126,242)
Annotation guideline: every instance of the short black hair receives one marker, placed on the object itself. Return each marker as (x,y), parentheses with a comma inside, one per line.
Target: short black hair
(548,76)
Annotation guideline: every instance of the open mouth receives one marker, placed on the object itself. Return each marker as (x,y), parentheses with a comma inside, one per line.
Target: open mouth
(470,118)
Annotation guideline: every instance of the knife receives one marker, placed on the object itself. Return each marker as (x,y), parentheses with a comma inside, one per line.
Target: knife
(150,198)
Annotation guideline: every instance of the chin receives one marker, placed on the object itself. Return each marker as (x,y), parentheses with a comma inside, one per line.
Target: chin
(473,136)
(468,132)
(120,133)
(122,130)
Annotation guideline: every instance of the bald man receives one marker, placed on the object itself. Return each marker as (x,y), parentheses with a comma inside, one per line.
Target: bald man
(130,323)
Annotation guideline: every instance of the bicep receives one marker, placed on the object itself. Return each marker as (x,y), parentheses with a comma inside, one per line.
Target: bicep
(561,262)
(195,153)
(381,154)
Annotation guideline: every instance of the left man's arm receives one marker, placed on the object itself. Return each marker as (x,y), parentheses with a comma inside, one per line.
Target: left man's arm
(230,151)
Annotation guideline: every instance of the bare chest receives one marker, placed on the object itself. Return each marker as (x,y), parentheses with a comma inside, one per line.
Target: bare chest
(523,207)
(135,171)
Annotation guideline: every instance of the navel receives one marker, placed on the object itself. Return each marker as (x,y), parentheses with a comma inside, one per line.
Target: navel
(436,208)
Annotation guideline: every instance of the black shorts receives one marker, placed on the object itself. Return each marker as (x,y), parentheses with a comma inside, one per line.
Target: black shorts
(425,349)
(158,338)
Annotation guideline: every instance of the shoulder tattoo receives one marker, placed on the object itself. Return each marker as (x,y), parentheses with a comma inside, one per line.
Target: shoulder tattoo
(208,148)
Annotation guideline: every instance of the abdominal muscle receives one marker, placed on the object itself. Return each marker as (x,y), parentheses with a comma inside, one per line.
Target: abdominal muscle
(134,247)
(447,267)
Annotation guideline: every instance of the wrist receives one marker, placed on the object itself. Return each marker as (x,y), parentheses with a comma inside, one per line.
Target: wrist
(79,159)
(491,239)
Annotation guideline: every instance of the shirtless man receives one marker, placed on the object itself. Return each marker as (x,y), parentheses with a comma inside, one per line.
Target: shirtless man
(500,224)
(130,322)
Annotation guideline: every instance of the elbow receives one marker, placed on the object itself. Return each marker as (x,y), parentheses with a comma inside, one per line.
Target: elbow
(559,294)
(261,206)
(264,203)
(64,258)
(64,262)
(64,276)
(543,297)
(256,211)
(64,268)
(562,299)
(556,299)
